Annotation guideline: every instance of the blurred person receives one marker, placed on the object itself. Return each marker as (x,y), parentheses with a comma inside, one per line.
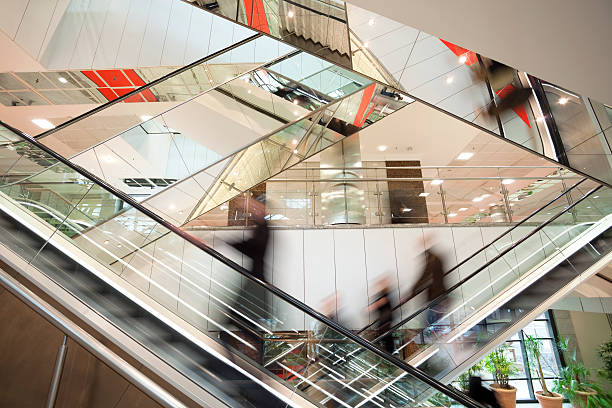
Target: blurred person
(382,310)
(481,394)
(250,310)
(501,76)
(431,281)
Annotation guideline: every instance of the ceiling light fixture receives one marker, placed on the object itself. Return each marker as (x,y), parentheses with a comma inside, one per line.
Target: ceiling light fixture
(436,182)
(563,100)
(371,21)
(62,80)
(462,59)
(290,14)
(294,141)
(43,124)
(366,44)
(382,148)
(449,80)
(465,156)
(507,181)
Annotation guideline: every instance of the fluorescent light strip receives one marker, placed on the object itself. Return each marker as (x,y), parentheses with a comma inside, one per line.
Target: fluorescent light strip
(155,260)
(298,375)
(216,282)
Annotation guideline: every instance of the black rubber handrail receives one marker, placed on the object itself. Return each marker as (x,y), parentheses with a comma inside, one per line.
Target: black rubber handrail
(534,213)
(489,263)
(413,371)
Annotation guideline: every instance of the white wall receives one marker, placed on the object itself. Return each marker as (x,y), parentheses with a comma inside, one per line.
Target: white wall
(79,34)
(312,264)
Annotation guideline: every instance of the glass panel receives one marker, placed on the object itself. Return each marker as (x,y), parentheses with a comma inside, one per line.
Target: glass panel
(444,328)
(187,285)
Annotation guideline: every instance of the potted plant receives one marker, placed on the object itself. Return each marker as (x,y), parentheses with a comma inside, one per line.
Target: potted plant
(546,398)
(573,384)
(501,367)
(605,353)
(464,379)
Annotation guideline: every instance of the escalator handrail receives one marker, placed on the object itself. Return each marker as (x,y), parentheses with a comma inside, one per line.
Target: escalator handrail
(413,371)
(489,263)
(88,342)
(503,234)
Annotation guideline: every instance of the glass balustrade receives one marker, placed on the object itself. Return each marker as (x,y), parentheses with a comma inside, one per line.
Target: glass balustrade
(193,289)
(309,195)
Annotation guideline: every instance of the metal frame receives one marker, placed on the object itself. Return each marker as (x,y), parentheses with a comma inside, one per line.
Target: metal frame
(480,250)
(80,336)
(486,265)
(415,372)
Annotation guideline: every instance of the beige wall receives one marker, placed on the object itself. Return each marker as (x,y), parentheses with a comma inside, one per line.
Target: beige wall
(592,329)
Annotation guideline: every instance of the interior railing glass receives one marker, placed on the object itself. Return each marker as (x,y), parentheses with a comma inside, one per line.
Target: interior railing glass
(503,283)
(182,300)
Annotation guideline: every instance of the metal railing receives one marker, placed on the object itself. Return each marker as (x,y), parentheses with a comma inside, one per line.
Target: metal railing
(88,342)
(413,371)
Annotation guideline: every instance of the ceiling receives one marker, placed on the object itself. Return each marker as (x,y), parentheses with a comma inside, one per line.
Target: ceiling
(562,41)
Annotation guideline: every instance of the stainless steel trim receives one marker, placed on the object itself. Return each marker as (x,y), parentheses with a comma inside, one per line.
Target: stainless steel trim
(89,342)
(57,373)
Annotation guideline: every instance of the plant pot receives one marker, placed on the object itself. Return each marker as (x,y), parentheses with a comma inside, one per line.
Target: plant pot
(505,396)
(549,402)
(581,398)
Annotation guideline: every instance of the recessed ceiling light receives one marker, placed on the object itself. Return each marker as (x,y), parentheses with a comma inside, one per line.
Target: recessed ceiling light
(450,79)
(507,181)
(463,209)
(382,148)
(423,194)
(294,141)
(563,101)
(462,59)
(172,207)
(366,44)
(290,13)
(452,214)
(249,91)
(465,156)
(62,80)
(371,21)
(295,151)
(144,118)
(43,123)
(436,182)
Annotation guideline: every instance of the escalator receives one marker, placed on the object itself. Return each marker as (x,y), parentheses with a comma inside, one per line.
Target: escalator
(509,284)
(243,350)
